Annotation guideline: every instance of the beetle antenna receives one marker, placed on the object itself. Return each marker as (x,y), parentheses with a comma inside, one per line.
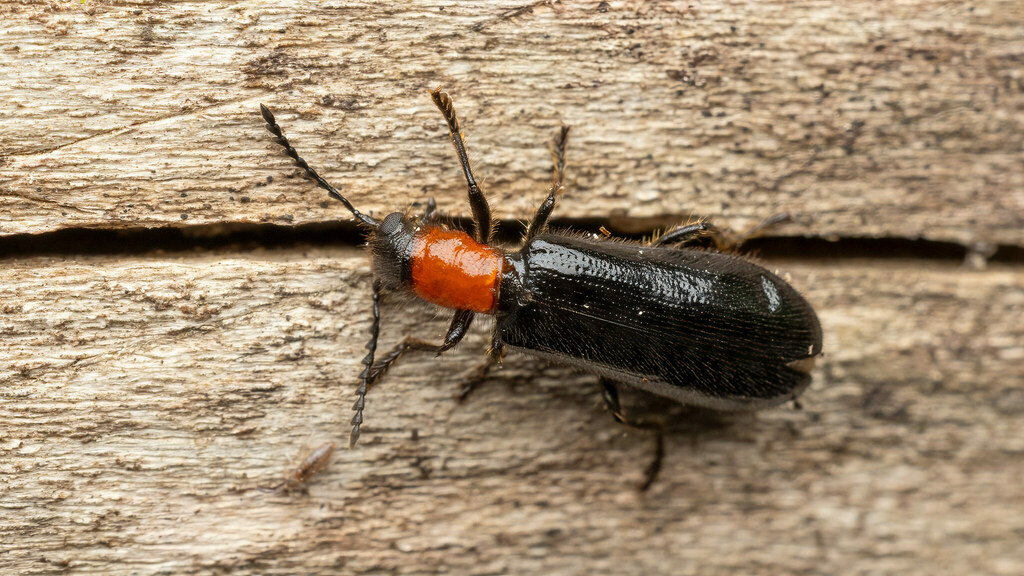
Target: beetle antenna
(279,137)
(364,376)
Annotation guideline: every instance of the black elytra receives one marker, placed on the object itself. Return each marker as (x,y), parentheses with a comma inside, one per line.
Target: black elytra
(695,326)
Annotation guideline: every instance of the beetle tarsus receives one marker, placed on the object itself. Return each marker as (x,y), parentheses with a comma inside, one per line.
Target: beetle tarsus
(470,384)
(428,214)
(477,201)
(654,468)
(724,240)
(540,219)
(558,155)
(764,225)
(610,394)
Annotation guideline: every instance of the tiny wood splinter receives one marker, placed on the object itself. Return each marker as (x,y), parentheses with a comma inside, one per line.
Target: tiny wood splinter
(694,326)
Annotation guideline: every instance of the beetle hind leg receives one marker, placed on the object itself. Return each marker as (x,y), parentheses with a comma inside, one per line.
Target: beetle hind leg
(611,399)
(691,232)
(725,240)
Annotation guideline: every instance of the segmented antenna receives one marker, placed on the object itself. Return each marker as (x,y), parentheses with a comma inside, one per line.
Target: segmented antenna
(279,137)
(364,376)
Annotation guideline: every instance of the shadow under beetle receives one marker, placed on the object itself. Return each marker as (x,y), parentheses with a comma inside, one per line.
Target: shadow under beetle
(698,327)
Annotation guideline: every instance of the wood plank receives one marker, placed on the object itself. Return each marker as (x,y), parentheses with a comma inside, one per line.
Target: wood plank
(144,399)
(891,119)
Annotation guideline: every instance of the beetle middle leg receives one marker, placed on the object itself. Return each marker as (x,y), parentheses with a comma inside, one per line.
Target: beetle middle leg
(540,219)
(373,372)
(494,355)
(456,332)
(611,399)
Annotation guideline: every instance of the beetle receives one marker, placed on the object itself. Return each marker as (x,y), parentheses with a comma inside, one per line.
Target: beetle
(695,326)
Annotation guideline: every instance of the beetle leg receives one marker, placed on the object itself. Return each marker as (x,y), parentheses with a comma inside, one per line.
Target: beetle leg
(558,155)
(540,220)
(723,239)
(610,395)
(456,332)
(428,214)
(654,468)
(611,399)
(364,376)
(759,228)
(480,373)
(481,211)
(691,232)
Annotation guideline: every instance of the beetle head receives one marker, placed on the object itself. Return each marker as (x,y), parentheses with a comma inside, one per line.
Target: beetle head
(392,244)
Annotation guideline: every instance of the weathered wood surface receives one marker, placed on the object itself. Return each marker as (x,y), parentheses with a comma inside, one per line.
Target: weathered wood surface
(143,399)
(864,118)
(147,397)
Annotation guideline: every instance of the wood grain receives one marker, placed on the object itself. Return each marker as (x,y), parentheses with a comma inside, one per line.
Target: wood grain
(146,398)
(891,119)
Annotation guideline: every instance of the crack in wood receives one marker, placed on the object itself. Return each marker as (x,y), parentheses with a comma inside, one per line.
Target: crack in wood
(245,237)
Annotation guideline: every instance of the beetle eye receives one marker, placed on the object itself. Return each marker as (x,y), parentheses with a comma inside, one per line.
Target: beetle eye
(391,223)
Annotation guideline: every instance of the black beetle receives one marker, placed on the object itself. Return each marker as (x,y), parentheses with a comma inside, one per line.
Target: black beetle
(695,326)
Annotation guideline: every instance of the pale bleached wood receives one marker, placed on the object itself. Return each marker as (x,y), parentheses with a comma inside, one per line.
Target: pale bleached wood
(864,118)
(144,398)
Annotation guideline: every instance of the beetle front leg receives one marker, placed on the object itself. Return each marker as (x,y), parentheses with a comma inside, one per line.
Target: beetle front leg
(611,399)
(477,201)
